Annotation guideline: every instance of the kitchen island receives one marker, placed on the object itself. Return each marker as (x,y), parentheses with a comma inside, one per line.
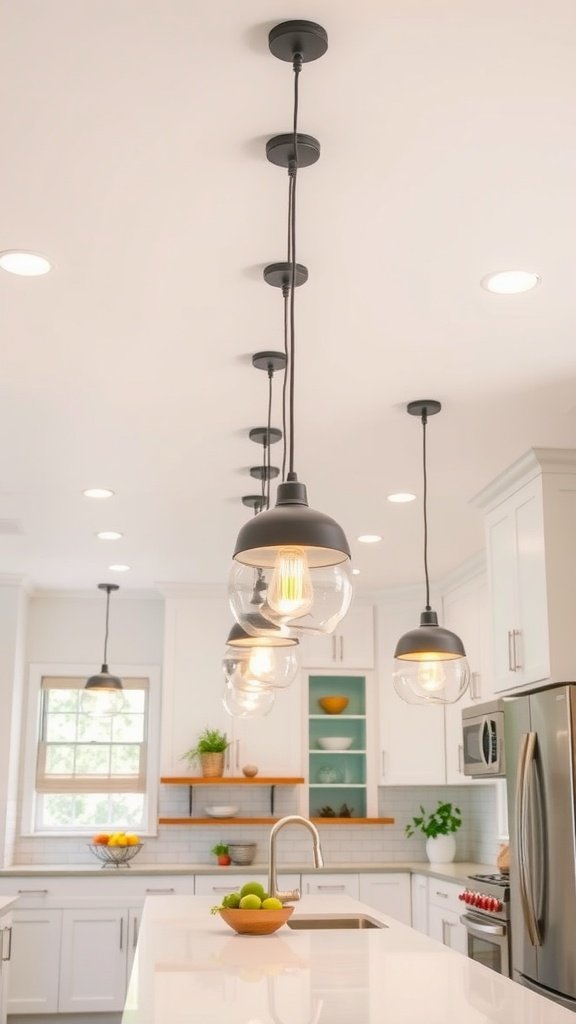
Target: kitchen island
(190,967)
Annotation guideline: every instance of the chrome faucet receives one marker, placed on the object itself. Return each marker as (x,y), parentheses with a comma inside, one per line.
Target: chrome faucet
(291,819)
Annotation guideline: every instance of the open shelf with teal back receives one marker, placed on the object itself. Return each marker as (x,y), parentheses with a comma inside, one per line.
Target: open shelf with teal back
(337,778)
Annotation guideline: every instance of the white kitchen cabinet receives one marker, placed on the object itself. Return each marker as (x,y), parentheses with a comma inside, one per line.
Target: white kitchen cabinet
(444,910)
(93,960)
(412,744)
(331,885)
(195,634)
(221,885)
(351,645)
(531,554)
(419,893)
(467,613)
(5,957)
(35,961)
(389,893)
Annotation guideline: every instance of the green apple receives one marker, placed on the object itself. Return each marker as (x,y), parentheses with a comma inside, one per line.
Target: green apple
(253,889)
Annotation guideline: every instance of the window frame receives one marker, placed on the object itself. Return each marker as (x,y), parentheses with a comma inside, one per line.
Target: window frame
(32,739)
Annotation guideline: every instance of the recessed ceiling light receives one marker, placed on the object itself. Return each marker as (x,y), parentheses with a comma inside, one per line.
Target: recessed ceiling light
(98,492)
(369,538)
(510,282)
(402,497)
(27,264)
(109,535)
(355,572)
(119,568)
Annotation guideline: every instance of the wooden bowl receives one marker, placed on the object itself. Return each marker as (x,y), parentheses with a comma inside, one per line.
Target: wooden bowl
(333,705)
(256,922)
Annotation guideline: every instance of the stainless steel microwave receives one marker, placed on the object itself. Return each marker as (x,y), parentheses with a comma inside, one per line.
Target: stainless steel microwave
(483,740)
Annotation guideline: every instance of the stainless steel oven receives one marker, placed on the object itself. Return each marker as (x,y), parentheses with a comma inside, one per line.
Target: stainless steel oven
(487,921)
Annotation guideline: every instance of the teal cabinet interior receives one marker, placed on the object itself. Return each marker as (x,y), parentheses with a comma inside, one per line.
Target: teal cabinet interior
(337,778)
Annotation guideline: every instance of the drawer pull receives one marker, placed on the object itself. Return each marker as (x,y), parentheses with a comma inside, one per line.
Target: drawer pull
(444,895)
(9,953)
(135,933)
(220,888)
(331,888)
(159,892)
(32,892)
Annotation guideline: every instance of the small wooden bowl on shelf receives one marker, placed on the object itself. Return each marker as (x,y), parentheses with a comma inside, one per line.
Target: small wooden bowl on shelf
(333,705)
(255,922)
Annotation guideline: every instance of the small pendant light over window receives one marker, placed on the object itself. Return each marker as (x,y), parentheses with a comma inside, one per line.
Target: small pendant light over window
(430,662)
(104,681)
(302,556)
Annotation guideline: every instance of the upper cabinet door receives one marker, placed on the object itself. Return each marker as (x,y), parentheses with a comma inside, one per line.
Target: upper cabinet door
(350,646)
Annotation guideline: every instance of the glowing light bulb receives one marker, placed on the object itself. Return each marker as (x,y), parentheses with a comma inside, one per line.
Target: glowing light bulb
(261,664)
(290,592)
(431,676)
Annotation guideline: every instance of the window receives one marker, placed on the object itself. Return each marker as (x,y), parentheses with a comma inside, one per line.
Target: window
(93,764)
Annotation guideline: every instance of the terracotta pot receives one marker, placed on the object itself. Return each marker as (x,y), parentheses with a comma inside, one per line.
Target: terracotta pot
(212,765)
(224,860)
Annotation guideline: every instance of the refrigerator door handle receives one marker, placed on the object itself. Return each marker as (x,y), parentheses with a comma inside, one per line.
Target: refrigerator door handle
(525,760)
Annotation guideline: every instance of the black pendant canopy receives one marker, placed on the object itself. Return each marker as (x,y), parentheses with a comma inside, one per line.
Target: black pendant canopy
(104,681)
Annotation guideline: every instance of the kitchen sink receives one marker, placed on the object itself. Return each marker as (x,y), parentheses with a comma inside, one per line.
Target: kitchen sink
(333,921)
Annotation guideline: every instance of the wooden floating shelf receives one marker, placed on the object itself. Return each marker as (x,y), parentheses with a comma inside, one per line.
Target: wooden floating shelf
(353,821)
(232,780)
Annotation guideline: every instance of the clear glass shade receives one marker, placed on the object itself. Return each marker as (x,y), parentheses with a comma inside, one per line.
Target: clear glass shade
(431,679)
(296,598)
(271,666)
(251,701)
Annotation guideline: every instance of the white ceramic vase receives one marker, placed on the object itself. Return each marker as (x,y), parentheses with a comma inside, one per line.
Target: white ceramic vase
(441,850)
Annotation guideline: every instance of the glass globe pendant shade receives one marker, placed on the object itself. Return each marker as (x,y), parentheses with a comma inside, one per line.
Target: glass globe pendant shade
(270,666)
(255,701)
(430,664)
(302,561)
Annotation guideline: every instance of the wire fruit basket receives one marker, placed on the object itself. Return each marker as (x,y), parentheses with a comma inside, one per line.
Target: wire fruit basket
(115,856)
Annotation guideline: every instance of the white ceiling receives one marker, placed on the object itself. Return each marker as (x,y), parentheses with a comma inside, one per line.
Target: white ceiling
(133,137)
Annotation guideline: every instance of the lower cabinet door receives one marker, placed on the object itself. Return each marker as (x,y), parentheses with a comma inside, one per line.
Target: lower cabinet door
(93,961)
(34,961)
(389,893)
(419,885)
(331,885)
(444,925)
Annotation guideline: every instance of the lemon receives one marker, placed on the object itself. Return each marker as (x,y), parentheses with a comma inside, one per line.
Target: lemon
(271,904)
(253,889)
(250,902)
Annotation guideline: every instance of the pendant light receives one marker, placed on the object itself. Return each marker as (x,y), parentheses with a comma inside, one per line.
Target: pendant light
(302,555)
(271,660)
(104,681)
(430,662)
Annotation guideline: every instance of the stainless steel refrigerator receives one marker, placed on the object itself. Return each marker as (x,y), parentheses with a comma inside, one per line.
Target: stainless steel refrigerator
(540,737)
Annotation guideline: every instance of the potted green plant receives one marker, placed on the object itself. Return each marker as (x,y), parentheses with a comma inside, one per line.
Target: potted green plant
(209,750)
(222,853)
(439,827)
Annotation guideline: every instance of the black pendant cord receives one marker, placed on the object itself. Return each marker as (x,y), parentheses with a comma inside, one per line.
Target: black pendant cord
(268,445)
(424,423)
(105,662)
(293,172)
(286,295)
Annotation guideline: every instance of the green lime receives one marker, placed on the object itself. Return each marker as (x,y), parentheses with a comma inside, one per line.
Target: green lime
(250,902)
(253,889)
(271,904)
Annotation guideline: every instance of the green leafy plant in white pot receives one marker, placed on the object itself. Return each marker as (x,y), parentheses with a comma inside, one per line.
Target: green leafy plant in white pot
(439,827)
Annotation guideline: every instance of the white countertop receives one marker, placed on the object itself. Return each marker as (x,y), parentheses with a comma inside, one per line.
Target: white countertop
(5,902)
(190,966)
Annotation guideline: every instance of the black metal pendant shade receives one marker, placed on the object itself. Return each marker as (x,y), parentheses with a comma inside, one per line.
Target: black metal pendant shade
(103,680)
(292,523)
(429,641)
(238,637)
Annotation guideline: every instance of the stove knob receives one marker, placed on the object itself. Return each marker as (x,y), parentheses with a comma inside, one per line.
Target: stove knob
(492,904)
(470,899)
(475,899)
(461,896)
(483,903)
(499,906)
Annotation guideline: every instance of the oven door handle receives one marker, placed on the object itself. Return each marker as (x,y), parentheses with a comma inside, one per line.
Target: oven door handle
(475,928)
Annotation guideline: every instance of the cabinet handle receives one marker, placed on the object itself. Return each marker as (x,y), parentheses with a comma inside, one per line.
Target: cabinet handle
(475,688)
(122,932)
(135,933)
(237,753)
(32,892)
(220,888)
(341,648)
(461,759)
(510,662)
(159,892)
(446,924)
(444,895)
(383,763)
(517,663)
(333,648)
(9,954)
(331,888)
